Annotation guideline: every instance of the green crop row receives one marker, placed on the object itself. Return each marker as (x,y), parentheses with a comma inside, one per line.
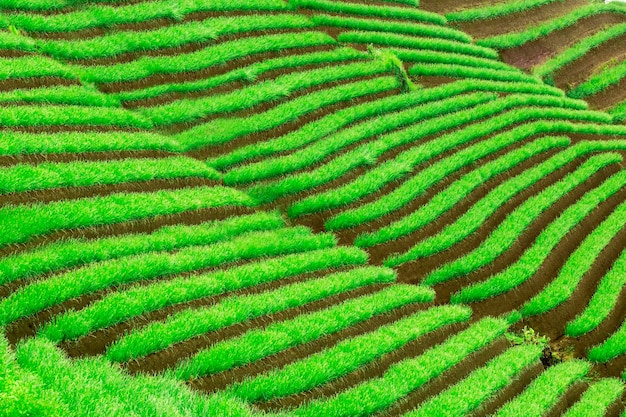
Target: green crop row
(143,299)
(597,398)
(45,293)
(494,11)
(543,393)
(259,343)
(462,71)
(57,386)
(76,252)
(619,112)
(404,163)
(512,40)
(204,58)
(22,222)
(185,325)
(600,81)
(471,220)
(33,66)
(186,110)
(245,73)
(413,42)
(579,262)
(438,57)
(70,95)
(347,355)
(446,199)
(578,50)
(467,395)
(603,300)
(170,36)
(97,16)
(417,29)
(384,123)
(406,376)
(611,348)
(532,258)
(26,177)
(219,131)
(371,11)
(509,230)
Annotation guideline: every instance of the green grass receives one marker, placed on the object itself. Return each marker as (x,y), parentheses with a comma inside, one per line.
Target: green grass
(26,177)
(70,95)
(504,236)
(185,325)
(71,253)
(462,71)
(467,395)
(404,377)
(44,293)
(438,57)
(33,66)
(600,81)
(611,348)
(597,398)
(602,302)
(579,262)
(346,356)
(471,220)
(495,10)
(23,222)
(143,299)
(532,258)
(276,337)
(545,390)
(446,199)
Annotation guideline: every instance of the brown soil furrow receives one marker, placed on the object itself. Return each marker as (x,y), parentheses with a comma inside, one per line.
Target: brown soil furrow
(416,270)
(517,22)
(616,409)
(180,77)
(174,128)
(212,383)
(447,6)
(613,95)
(614,368)
(160,361)
(538,51)
(72,193)
(527,238)
(98,341)
(35,82)
(581,69)
(147,225)
(568,399)
(262,136)
(519,384)
(549,268)
(40,158)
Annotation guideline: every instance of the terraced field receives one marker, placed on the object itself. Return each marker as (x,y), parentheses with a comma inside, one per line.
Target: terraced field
(311,208)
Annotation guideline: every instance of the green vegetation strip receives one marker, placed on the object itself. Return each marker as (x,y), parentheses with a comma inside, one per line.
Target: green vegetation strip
(509,230)
(496,10)
(347,356)
(619,112)
(259,343)
(417,29)
(404,377)
(579,262)
(600,81)
(45,293)
(466,396)
(219,131)
(438,57)
(204,58)
(372,11)
(33,66)
(144,299)
(447,198)
(22,222)
(545,390)
(532,258)
(512,40)
(185,325)
(186,110)
(471,220)
(26,177)
(578,50)
(611,348)
(75,252)
(95,16)
(462,71)
(597,398)
(603,300)
(69,95)
(406,161)
(92,387)
(404,41)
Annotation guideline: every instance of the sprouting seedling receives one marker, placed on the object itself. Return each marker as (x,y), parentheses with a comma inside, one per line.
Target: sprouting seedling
(14,30)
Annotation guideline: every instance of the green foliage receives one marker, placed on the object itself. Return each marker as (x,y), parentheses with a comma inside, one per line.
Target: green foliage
(495,10)
(600,81)
(33,66)
(70,95)
(611,348)
(462,71)
(528,336)
(597,398)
